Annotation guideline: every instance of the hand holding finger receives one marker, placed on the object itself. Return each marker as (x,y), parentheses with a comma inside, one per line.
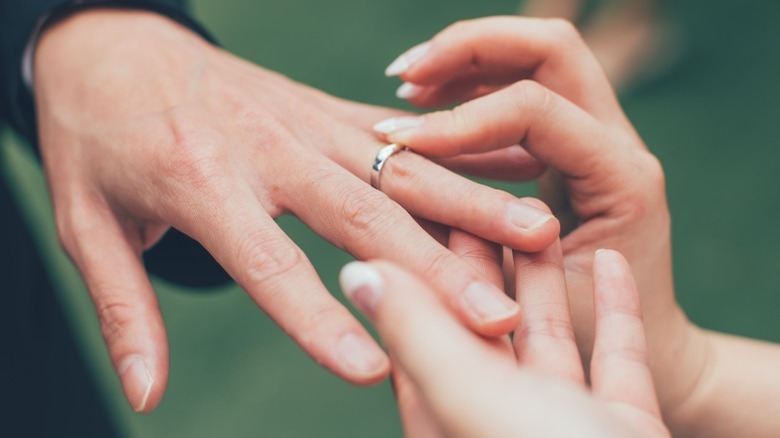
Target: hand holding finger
(502,50)
(619,368)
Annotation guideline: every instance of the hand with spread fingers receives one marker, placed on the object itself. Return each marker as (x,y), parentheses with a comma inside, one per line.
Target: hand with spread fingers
(534,94)
(144,126)
(452,382)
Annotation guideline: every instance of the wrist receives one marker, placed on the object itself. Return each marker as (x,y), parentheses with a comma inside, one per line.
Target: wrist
(684,380)
(82,40)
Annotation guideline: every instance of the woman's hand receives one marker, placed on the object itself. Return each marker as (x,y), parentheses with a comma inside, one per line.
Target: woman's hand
(452,382)
(534,82)
(145,126)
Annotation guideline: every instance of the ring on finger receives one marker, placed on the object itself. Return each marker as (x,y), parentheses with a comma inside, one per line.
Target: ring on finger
(379,162)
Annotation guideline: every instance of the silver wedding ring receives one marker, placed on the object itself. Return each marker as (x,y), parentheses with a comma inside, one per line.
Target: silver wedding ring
(380,160)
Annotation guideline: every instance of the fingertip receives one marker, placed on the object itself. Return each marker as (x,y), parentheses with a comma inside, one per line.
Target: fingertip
(139,383)
(362,361)
(614,286)
(534,226)
(609,266)
(402,64)
(409,91)
(488,310)
(541,236)
(499,327)
(363,285)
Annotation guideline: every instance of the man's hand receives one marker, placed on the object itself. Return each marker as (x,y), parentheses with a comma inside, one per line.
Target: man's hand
(145,126)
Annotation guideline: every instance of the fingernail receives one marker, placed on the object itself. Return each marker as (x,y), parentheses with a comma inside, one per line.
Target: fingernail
(407,59)
(363,285)
(408,90)
(488,302)
(359,355)
(525,216)
(395,124)
(604,255)
(136,381)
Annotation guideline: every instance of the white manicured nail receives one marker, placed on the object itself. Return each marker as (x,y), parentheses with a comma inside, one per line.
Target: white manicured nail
(405,61)
(363,285)
(408,91)
(395,124)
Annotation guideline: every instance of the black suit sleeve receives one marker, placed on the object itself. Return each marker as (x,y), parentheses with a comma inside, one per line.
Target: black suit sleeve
(176,257)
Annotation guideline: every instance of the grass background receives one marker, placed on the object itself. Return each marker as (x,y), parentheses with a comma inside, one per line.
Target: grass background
(713,121)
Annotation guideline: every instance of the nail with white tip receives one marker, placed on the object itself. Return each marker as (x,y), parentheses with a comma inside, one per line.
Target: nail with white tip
(408,91)
(363,285)
(396,124)
(406,60)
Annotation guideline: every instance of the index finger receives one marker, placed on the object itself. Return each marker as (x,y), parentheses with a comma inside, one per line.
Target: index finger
(503,50)
(552,129)
(276,274)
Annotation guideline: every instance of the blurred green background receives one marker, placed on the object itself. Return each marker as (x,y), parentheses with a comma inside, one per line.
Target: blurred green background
(713,121)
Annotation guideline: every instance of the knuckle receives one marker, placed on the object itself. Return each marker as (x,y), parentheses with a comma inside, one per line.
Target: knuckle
(552,326)
(440,264)
(65,234)
(648,187)
(190,164)
(459,123)
(266,129)
(654,173)
(73,221)
(456,28)
(628,353)
(116,316)
(367,212)
(564,32)
(405,171)
(265,260)
(480,255)
(316,321)
(533,96)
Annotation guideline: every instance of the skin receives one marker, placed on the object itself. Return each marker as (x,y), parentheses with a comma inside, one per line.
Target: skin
(145,126)
(534,386)
(535,81)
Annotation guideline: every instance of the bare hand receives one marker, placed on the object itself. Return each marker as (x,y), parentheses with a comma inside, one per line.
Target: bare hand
(464,385)
(144,126)
(534,82)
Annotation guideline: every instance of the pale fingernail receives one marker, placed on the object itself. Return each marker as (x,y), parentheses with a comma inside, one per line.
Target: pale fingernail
(396,124)
(408,90)
(136,381)
(359,355)
(525,216)
(363,285)
(488,303)
(407,59)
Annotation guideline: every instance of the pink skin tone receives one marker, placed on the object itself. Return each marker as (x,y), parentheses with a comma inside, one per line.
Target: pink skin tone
(534,81)
(534,386)
(145,126)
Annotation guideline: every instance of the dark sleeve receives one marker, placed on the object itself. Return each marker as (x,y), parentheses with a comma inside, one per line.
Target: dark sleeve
(176,257)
